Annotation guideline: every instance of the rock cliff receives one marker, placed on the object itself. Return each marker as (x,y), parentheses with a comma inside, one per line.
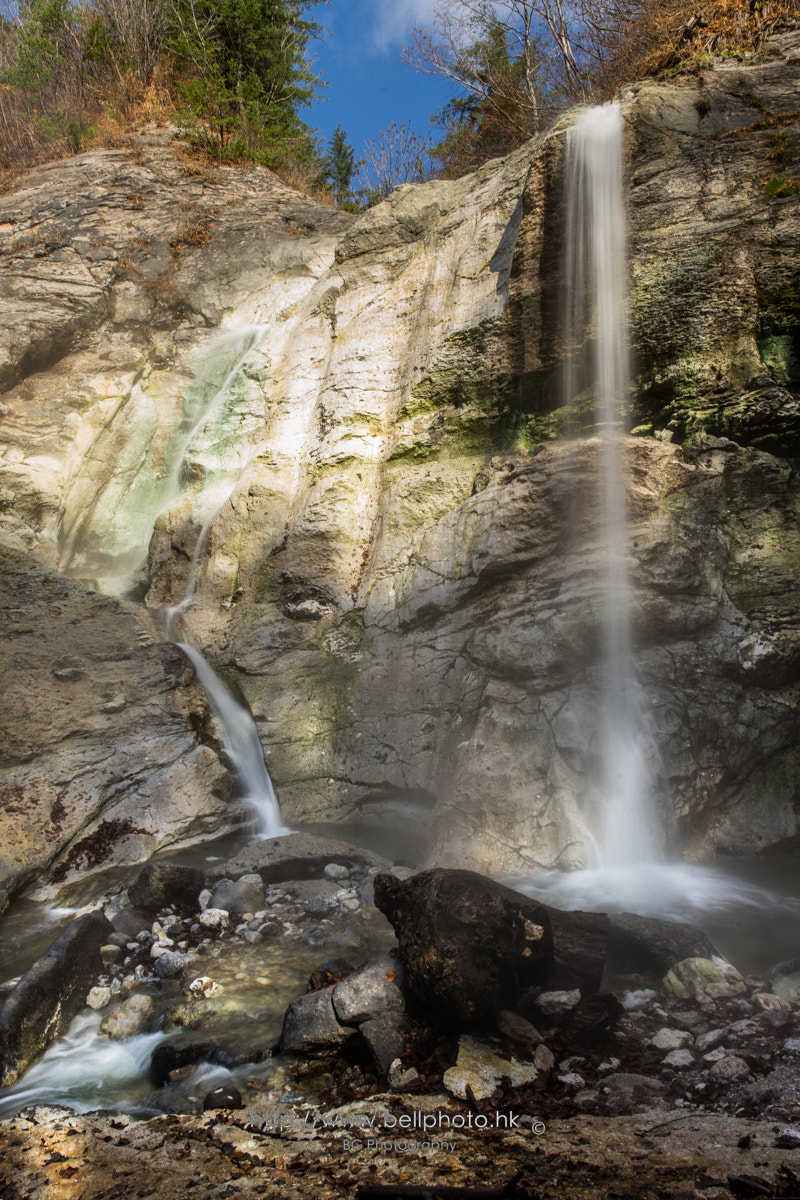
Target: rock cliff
(395,544)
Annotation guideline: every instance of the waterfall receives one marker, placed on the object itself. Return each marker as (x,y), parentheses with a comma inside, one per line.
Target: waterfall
(240,737)
(596,306)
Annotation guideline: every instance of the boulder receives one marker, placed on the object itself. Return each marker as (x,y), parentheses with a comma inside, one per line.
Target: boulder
(50,994)
(296,856)
(310,1024)
(134,1016)
(648,946)
(469,945)
(385,1042)
(373,991)
(703,979)
(159,884)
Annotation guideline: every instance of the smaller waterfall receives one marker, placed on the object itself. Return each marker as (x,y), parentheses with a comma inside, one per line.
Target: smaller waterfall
(596,303)
(240,736)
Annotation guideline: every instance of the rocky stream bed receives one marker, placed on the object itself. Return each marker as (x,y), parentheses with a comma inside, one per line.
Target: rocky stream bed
(433,1063)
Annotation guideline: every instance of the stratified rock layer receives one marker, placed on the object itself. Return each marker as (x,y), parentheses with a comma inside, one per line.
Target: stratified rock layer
(397,559)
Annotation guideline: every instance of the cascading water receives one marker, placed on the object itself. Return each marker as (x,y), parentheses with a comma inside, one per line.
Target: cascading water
(240,736)
(629,872)
(596,299)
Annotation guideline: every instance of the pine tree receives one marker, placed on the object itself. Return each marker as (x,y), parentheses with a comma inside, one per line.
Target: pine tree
(339,166)
(247,74)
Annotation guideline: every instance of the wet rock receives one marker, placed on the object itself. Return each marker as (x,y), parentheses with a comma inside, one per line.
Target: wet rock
(336,871)
(385,1042)
(375,990)
(310,1024)
(730,1069)
(98,997)
(222,1097)
(50,994)
(134,1016)
(480,1069)
(297,856)
(469,945)
(703,979)
(160,884)
(238,897)
(556,1004)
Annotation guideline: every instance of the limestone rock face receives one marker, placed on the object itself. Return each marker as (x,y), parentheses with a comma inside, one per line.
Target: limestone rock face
(100,760)
(336,439)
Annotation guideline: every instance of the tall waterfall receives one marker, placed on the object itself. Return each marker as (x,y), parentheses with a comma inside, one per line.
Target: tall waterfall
(596,307)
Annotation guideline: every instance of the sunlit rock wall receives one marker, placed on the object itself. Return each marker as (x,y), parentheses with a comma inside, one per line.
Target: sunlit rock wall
(399,572)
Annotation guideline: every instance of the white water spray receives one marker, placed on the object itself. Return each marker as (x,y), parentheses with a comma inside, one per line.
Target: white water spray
(597,299)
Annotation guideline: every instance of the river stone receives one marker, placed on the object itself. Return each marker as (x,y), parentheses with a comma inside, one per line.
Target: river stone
(480,1069)
(469,945)
(703,979)
(384,1040)
(98,997)
(134,1016)
(372,991)
(730,1069)
(160,884)
(679,1059)
(169,964)
(556,1004)
(296,856)
(518,1029)
(671,1039)
(50,994)
(213,918)
(236,897)
(310,1024)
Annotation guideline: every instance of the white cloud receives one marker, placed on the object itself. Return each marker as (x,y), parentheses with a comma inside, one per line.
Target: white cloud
(395,18)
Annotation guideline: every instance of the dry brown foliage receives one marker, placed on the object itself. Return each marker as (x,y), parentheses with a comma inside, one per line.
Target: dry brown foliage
(674,34)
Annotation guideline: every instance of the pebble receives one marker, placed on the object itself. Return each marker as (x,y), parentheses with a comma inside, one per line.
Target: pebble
(336,871)
(213,918)
(99,997)
(204,898)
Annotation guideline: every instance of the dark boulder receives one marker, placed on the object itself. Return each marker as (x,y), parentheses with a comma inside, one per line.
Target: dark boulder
(469,945)
(648,947)
(159,884)
(50,994)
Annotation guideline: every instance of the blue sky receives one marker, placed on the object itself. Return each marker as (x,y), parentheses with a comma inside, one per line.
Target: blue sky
(368,84)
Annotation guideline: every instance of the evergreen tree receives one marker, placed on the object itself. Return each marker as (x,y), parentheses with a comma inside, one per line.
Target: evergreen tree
(339,166)
(247,74)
